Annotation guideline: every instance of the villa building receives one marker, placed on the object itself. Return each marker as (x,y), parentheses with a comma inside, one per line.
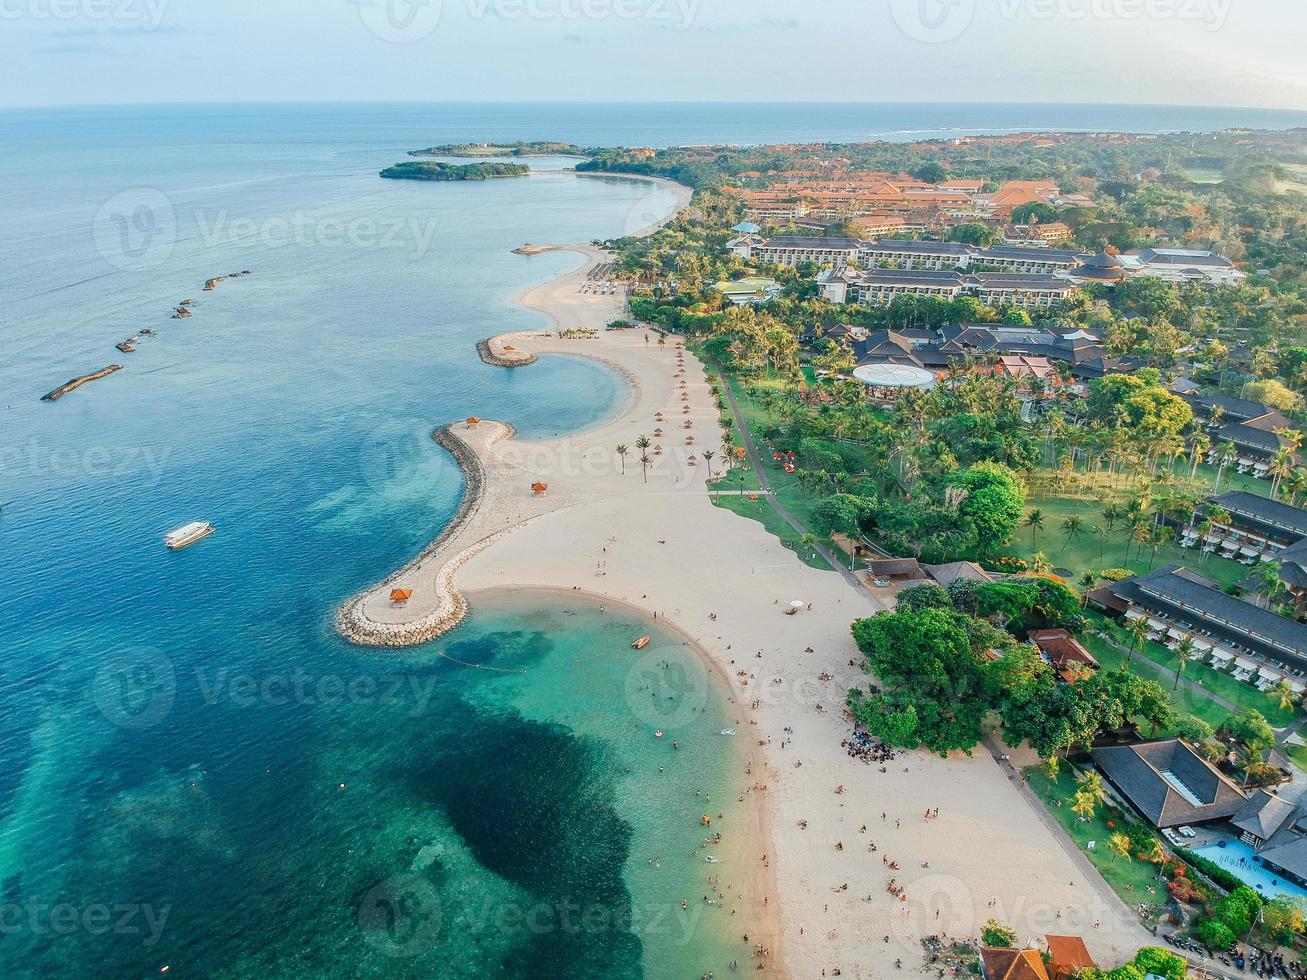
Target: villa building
(1257,645)
(1012,964)
(880,287)
(1277,831)
(1169,783)
(1182,266)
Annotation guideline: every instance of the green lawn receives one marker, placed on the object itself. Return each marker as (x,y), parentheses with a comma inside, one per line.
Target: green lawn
(1298,753)
(1091,551)
(1129,877)
(1158,663)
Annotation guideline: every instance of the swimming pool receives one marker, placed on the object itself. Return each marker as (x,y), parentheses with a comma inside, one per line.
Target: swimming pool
(1241,861)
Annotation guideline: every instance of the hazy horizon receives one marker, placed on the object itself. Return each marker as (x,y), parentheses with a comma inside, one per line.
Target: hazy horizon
(1209,53)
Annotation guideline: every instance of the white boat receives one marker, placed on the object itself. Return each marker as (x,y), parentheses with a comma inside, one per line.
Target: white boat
(727,731)
(187,534)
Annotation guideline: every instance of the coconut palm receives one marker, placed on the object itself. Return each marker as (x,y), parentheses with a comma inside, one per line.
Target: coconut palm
(1281,465)
(1226,455)
(1091,784)
(622,450)
(1185,651)
(1269,583)
(1138,630)
(1035,521)
(1087,582)
(1119,845)
(708,456)
(1074,527)
(1284,693)
(1253,765)
(645,463)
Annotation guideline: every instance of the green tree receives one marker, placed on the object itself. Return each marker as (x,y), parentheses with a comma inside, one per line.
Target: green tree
(1035,521)
(997,935)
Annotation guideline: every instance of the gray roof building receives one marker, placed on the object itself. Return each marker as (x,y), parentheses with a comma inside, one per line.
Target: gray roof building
(1169,783)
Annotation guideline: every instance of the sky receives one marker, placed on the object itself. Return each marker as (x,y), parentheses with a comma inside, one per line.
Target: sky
(1190,52)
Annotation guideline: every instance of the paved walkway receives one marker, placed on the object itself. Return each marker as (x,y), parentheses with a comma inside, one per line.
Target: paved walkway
(766,491)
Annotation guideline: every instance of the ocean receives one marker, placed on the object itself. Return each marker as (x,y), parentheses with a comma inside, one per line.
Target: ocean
(195,770)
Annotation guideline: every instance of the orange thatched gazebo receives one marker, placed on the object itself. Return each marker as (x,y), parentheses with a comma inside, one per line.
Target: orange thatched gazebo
(400,596)
(508,347)
(473,421)
(539,489)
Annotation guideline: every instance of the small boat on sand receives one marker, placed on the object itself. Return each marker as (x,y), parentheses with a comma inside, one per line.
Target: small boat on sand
(641,643)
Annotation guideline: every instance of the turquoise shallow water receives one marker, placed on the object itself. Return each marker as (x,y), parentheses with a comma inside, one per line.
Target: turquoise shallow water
(176,727)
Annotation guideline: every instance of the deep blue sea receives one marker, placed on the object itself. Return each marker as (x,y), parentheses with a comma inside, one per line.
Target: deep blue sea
(195,771)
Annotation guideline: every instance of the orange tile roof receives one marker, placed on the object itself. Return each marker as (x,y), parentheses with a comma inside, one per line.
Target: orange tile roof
(1013,964)
(1069,955)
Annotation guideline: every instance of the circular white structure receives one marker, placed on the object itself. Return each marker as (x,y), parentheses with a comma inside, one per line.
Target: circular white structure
(894,376)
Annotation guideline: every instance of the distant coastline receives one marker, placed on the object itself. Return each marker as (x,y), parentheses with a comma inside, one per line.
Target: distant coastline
(435,170)
(539,148)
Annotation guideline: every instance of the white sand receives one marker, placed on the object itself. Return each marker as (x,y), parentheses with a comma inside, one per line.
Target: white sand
(660,545)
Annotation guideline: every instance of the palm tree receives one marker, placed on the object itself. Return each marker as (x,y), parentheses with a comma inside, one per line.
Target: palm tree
(1034,521)
(1269,583)
(1119,845)
(1138,630)
(1091,784)
(1185,651)
(1226,455)
(1281,465)
(1157,853)
(622,450)
(1253,765)
(1087,582)
(708,456)
(1039,563)
(1074,527)
(809,539)
(1284,693)
(645,463)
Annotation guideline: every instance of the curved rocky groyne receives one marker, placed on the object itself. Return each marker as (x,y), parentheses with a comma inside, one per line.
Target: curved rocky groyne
(353,622)
(488,356)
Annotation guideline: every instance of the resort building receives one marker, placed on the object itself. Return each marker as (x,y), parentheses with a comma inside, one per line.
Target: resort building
(880,287)
(1259,528)
(1012,964)
(1182,266)
(1255,644)
(903,254)
(792,251)
(1070,661)
(746,292)
(1276,830)
(1037,235)
(1067,956)
(1169,783)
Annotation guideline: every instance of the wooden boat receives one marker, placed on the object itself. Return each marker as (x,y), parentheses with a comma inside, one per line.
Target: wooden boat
(641,643)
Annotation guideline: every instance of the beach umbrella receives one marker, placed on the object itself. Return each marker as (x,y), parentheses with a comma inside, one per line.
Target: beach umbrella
(539,488)
(400,595)
(473,421)
(796,604)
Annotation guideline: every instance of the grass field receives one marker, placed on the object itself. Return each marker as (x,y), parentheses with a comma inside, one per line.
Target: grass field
(1158,663)
(1129,877)
(1092,551)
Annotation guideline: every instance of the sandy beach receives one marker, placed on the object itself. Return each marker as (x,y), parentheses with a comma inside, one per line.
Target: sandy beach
(651,538)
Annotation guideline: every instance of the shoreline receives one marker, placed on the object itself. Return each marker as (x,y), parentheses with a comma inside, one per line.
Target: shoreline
(759,880)
(725,582)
